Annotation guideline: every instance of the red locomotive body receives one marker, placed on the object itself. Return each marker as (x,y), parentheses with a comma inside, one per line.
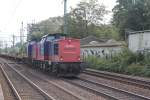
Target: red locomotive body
(57,54)
(69,50)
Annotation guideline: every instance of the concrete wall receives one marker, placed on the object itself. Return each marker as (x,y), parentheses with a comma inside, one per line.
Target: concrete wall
(100,51)
(139,41)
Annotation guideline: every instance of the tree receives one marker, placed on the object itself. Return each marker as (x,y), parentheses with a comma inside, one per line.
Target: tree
(87,14)
(86,19)
(107,31)
(131,15)
(35,35)
(90,11)
(49,26)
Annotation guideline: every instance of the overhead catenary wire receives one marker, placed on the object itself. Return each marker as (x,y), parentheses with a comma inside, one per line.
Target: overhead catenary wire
(13,13)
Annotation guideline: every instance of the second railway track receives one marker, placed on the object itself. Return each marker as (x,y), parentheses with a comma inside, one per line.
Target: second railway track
(108,91)
(123,83)
(140,82)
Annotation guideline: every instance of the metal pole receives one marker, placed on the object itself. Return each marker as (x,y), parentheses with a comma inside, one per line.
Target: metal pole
(6,51)
(21,37)
(13,44)
(21,34)
(133,1)
(65,16)
(13,41)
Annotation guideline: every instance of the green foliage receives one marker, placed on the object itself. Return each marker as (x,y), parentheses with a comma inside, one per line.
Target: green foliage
(97,63)
(146,71)
(147,59)
(76,28)
(132,16)
(49,26)
(135,69)
(86,19)
(126,63)
(22,50)
(89,11)
(108,31)
(35,36)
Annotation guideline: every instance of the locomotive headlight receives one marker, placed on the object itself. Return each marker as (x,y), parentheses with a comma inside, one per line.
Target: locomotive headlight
(69,41)
(61,58)
(79,58)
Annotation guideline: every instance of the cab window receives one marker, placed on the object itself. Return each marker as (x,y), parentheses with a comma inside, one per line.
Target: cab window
(55,49)
(50,38)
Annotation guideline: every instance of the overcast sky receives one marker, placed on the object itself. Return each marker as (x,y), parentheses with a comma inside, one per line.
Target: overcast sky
(13,12)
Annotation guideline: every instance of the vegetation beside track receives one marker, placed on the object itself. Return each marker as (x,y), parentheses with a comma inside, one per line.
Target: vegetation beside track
(125,63)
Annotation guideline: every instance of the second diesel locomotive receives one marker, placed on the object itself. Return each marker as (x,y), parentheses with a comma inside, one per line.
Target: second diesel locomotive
(57,54)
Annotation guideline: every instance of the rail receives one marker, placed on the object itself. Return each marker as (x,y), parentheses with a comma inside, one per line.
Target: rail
(119,77)
(47,96)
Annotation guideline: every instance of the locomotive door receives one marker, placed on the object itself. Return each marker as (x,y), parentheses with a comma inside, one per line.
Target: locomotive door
(55,48)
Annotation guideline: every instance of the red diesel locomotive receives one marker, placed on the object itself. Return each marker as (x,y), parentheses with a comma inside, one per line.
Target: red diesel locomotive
(57,54)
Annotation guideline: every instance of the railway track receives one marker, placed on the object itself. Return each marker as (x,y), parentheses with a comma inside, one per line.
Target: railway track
(137,88)
(22,87)
(105,90)
(90,89)
(97,88)
(67,88)
(56,90)
(140,82)
(7,91)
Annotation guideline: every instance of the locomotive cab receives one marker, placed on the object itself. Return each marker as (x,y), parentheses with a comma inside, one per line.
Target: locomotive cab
(45,45)
(66,56)
(57,54)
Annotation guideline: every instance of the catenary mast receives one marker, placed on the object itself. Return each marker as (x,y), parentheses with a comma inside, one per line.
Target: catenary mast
(65,16)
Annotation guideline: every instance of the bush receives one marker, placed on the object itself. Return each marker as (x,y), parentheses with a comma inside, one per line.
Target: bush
(97,63)
(146,71)
(126,63)
(135,69)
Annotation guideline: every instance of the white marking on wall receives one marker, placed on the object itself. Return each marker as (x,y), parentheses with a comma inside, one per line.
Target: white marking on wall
(100,51)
